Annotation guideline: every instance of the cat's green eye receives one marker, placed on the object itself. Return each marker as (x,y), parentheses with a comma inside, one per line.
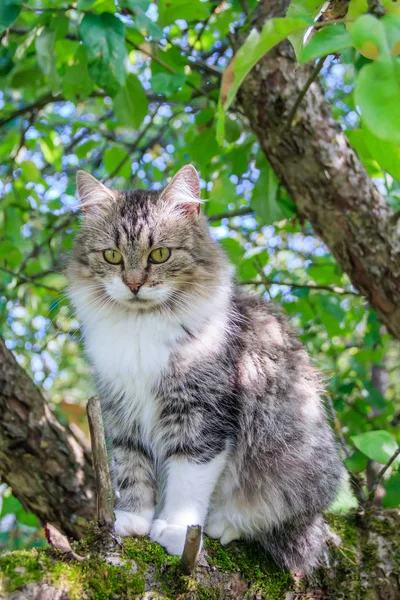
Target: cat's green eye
(112,256)
(159,255)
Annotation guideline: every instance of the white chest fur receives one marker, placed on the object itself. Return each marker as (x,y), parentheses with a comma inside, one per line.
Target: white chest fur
(130,353)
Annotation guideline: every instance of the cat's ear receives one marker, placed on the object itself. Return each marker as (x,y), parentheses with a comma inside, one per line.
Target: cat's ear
(183,191)
(93,194)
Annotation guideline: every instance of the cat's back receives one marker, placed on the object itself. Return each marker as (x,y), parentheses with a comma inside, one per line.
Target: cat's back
(264,326)
(271,360)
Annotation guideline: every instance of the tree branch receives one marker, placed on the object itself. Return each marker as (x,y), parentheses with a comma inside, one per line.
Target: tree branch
(308,286)
(42,461)
(374,488)
(323,174)
(240,212)
(31,280)
(313,75)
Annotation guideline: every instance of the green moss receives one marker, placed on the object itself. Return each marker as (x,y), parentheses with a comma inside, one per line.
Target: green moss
(103,580)
(95,579)
(254,567)
(19,568)
(168,571)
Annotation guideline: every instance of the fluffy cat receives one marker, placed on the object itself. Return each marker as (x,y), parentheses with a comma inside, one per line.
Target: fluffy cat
(212,407)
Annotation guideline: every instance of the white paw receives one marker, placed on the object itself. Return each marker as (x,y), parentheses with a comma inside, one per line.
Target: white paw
(219,528)
(127,523)
(172,537)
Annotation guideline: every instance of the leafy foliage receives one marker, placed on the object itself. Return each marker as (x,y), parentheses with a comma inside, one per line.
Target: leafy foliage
(130,91)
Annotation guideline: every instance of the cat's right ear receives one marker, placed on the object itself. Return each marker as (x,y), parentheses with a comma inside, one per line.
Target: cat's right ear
(93,194)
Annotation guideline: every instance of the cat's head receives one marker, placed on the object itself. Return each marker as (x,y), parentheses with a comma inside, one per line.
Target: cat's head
(145,250)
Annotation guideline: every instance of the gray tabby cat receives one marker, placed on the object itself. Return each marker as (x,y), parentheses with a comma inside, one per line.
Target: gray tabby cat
(212,407)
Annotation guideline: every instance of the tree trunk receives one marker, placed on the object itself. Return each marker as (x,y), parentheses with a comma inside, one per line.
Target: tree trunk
(323,175)
(363,566)
(47,468)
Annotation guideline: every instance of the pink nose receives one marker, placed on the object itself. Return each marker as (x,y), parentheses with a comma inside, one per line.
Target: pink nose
(134,287)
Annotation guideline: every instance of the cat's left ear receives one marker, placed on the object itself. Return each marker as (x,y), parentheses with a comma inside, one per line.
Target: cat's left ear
(183,191)
(93,194)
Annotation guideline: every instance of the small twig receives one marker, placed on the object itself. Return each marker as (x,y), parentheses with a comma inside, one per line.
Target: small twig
(32,280)
(105,500)
(307,286)
(240,212)
(191,549)
(374,488)
(314,73)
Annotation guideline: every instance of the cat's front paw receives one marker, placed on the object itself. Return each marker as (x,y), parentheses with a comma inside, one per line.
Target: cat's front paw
(127,523)
(219,528)
(172,537)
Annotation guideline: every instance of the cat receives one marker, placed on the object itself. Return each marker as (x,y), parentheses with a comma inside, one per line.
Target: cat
(212,407)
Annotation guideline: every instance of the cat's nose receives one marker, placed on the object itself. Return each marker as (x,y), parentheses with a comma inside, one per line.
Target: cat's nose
(134,287)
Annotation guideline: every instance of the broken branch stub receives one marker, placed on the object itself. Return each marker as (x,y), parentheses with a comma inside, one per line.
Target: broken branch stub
(105,497)
(191,549)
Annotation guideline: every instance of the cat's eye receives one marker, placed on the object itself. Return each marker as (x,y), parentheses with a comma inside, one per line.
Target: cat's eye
(112,256)
(159,255)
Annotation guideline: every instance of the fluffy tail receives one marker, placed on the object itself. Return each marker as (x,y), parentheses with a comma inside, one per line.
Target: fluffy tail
(297,545)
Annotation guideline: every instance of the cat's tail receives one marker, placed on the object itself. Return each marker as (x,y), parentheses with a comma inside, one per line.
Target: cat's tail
(299,545)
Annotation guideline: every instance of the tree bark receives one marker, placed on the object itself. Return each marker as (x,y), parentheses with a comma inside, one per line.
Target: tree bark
(322,174)
(47,468)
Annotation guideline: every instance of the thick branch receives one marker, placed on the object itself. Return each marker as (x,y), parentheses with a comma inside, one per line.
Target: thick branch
(46,466)
(323,175)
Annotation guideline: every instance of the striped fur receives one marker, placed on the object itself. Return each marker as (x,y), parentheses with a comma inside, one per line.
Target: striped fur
(212,406)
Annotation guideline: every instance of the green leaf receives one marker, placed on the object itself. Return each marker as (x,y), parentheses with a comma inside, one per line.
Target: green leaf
(27,78)
(328,40)
(368,36)
(103,37)
(392,486)
(357,462)
(166,83)
(30,172)
(256,45)
(131,104)
(84,149)
(45,53)
(6,60)
(223,191)
(356,138)
(233,249)
(27,519)
(10,506)
(142,21)
(115,156)
(264,199)
(204,147)
(233,129)
(10,255)
(98,6)
(51,151)
(377,93)
(76,83)
(392,31)
(9,11)
(301,8)
(356,8)
(377,445)
(387,155)
(189,10)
